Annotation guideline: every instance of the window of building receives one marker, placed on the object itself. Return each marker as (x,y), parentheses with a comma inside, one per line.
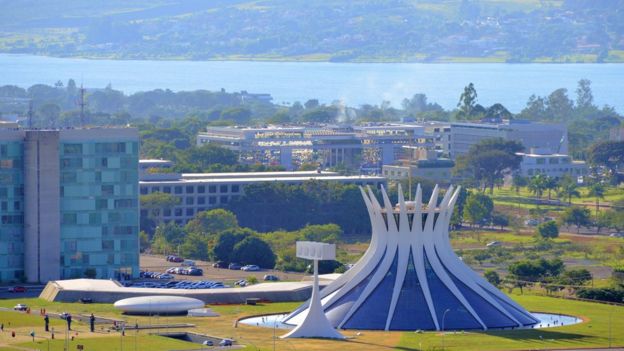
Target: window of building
(104,162)
(190,189)
(167,189)
(212,189)
(155,189)
(167,212)
(190,212)
(201,189)
(212,200)
(190,200)
(235,188)
(108,190)
(178,212)
(70,149)
(69,218)
(540,161)
(223,189)
(201,200)
(223,200)
(177,190)
(143,191)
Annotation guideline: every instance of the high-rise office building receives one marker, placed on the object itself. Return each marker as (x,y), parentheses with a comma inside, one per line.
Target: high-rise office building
(69,201)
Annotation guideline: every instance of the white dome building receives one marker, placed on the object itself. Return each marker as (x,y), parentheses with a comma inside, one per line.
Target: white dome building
(410,278)
(158,305)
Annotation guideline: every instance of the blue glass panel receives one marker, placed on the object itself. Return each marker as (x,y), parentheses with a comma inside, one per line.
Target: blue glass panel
(489,314)
(354,293)
(372,314)
(520,315)
(457,317)
(411,311)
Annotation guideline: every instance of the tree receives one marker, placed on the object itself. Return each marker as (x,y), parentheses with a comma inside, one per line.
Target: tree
(609,154)
(154,203)
(584,96)
(577,216)
(311,104)
(548,230)
(550,184)
(144,242)
(222,251)
(238,115)
(467,101)
(518,182)
(195,246)
(492,277)
(50,114)
(537,185)
(212,222)
(500,219)
(558,106)
(576,277)
(253,250)
(490,160)
(597,190)
(478,209)
(568,188)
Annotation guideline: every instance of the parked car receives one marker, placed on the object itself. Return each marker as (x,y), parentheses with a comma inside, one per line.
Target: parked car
(493,244)
(17,289)
(219,264)
(226,342)
(86,300)
(208,343)
(234,266)
(165,276)
(271,277)
(174,258)
(617,235)
(194,271)
(250,268)
(20,307)
(531,222)
(241,282)
(188,263)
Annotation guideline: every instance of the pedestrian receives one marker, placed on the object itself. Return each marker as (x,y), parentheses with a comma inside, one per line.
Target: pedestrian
(69,320)
(2,327)
(46,319)
(92,322)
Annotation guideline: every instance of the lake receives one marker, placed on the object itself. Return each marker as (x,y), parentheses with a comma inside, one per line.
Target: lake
(354,83)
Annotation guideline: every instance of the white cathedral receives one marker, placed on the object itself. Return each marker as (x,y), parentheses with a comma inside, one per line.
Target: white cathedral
(410,278)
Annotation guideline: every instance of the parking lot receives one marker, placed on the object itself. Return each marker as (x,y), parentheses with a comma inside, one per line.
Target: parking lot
(154,263)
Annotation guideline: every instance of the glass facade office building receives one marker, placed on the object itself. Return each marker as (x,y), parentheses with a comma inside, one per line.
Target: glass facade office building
(99,202)
(71,199)
(11,210)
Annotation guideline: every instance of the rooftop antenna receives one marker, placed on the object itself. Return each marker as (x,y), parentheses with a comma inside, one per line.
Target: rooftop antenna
(82,104)
(30,114)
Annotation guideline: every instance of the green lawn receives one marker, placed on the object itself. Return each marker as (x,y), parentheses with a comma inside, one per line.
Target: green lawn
(592,333)
(128,342)
(19,320)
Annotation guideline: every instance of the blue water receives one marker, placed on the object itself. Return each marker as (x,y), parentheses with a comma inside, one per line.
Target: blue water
(547,320)
(354,83)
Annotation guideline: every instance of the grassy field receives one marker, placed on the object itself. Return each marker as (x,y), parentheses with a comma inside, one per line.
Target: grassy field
(593,332)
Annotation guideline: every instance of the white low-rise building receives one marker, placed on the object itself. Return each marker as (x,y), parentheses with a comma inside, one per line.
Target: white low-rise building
(553,165)
(204,191)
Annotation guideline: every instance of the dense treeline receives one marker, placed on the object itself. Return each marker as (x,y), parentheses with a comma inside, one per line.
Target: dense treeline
(277,206)
(217,235)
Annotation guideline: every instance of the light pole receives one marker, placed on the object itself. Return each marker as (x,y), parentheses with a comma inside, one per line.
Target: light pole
(443,317)
(610,312)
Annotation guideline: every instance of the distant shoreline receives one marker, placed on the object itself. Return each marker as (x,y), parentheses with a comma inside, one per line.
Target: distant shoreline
(312,59)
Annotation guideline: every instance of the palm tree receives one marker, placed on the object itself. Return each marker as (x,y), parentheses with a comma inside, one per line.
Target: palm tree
(550,184)
(568,188)
(597,190)
(537,184)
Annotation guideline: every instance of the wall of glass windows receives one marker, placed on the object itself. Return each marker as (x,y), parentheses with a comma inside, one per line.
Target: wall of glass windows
(11,211)
(99,209)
